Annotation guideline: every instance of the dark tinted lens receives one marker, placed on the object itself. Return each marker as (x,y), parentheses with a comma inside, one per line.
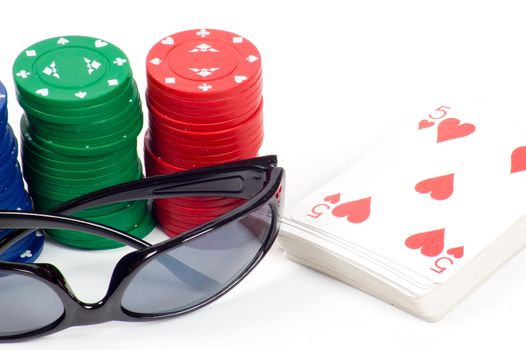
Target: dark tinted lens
(193,272)
(26,304)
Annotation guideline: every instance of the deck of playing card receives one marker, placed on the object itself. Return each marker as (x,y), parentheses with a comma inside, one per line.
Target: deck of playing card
(425,216)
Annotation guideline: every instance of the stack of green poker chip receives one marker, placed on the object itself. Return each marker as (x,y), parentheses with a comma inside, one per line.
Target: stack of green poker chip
(79,131)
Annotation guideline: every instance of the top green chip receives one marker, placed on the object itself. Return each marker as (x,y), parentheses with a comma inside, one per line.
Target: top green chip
(72,71)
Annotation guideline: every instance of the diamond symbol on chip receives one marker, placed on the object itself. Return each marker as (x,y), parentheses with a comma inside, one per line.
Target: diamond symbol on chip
(31,53)
(204,72)
(203,33)
(23,74)
(113,82)
(204,87)
(203,48)
(237,40)
(92,65)
(169,80)
(51,70)
(120,61)
(2,96)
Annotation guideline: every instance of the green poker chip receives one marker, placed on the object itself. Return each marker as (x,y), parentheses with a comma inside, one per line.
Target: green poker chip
(31,149)
(102,127)
(43,203)
(86,150)
(140,227)
(58,116)
(71,71)
(79,132)
(51,184)
(103,136)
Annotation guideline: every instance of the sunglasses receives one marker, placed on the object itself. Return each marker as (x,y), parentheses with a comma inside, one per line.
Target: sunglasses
(167,279)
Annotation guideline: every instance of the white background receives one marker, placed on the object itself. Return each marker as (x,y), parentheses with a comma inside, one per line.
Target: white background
(338,76)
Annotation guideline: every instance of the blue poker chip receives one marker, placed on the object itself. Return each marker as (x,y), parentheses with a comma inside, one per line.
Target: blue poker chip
(3,105)
(27,249)
(12,189)
(8,146)
(29,252)
(13,196)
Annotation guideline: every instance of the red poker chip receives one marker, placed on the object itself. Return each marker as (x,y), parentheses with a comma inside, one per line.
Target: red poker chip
(196,209)
(171,109)
(169,230)
(161,139)
(204,116)
(208,149)
(203,64)
(255,121)
(247,151)
(182,161)
(164,96)
(158,118)
(205,98)
(205,123)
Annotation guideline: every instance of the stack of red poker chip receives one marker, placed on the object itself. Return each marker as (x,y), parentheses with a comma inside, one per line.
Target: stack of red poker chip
(206,107)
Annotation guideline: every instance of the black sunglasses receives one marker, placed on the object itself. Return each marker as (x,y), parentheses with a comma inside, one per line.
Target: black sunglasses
(170,278)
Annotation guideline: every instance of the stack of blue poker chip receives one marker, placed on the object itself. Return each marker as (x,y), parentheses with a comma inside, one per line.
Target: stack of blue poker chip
(13,196)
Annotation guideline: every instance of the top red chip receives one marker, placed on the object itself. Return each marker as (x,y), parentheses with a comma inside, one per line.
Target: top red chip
(203,64)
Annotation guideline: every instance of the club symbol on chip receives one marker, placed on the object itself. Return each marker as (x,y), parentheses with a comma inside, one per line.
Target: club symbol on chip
(204,87)
(203,33)
(26,254)
(120,61)
(23,74)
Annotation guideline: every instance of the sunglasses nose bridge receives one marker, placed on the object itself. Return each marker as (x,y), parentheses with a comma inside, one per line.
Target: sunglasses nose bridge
(91,313)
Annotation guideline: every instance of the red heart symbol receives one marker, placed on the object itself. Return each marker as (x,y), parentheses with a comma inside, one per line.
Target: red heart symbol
(430,243)
(424,123)
(457,252)
(335,198)
(440,187)
(518,159)
(356,211)
(451,128)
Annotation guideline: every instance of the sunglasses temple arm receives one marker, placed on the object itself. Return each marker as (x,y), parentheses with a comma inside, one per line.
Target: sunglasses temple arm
(241,184)
(33,221)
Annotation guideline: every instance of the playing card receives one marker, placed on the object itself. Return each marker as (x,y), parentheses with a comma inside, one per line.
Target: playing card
(431,197)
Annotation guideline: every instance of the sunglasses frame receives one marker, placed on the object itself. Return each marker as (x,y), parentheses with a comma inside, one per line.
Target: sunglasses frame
(259,180)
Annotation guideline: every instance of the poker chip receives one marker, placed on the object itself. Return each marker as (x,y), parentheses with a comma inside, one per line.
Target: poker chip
(205,104)
(13,196)
(82,117)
